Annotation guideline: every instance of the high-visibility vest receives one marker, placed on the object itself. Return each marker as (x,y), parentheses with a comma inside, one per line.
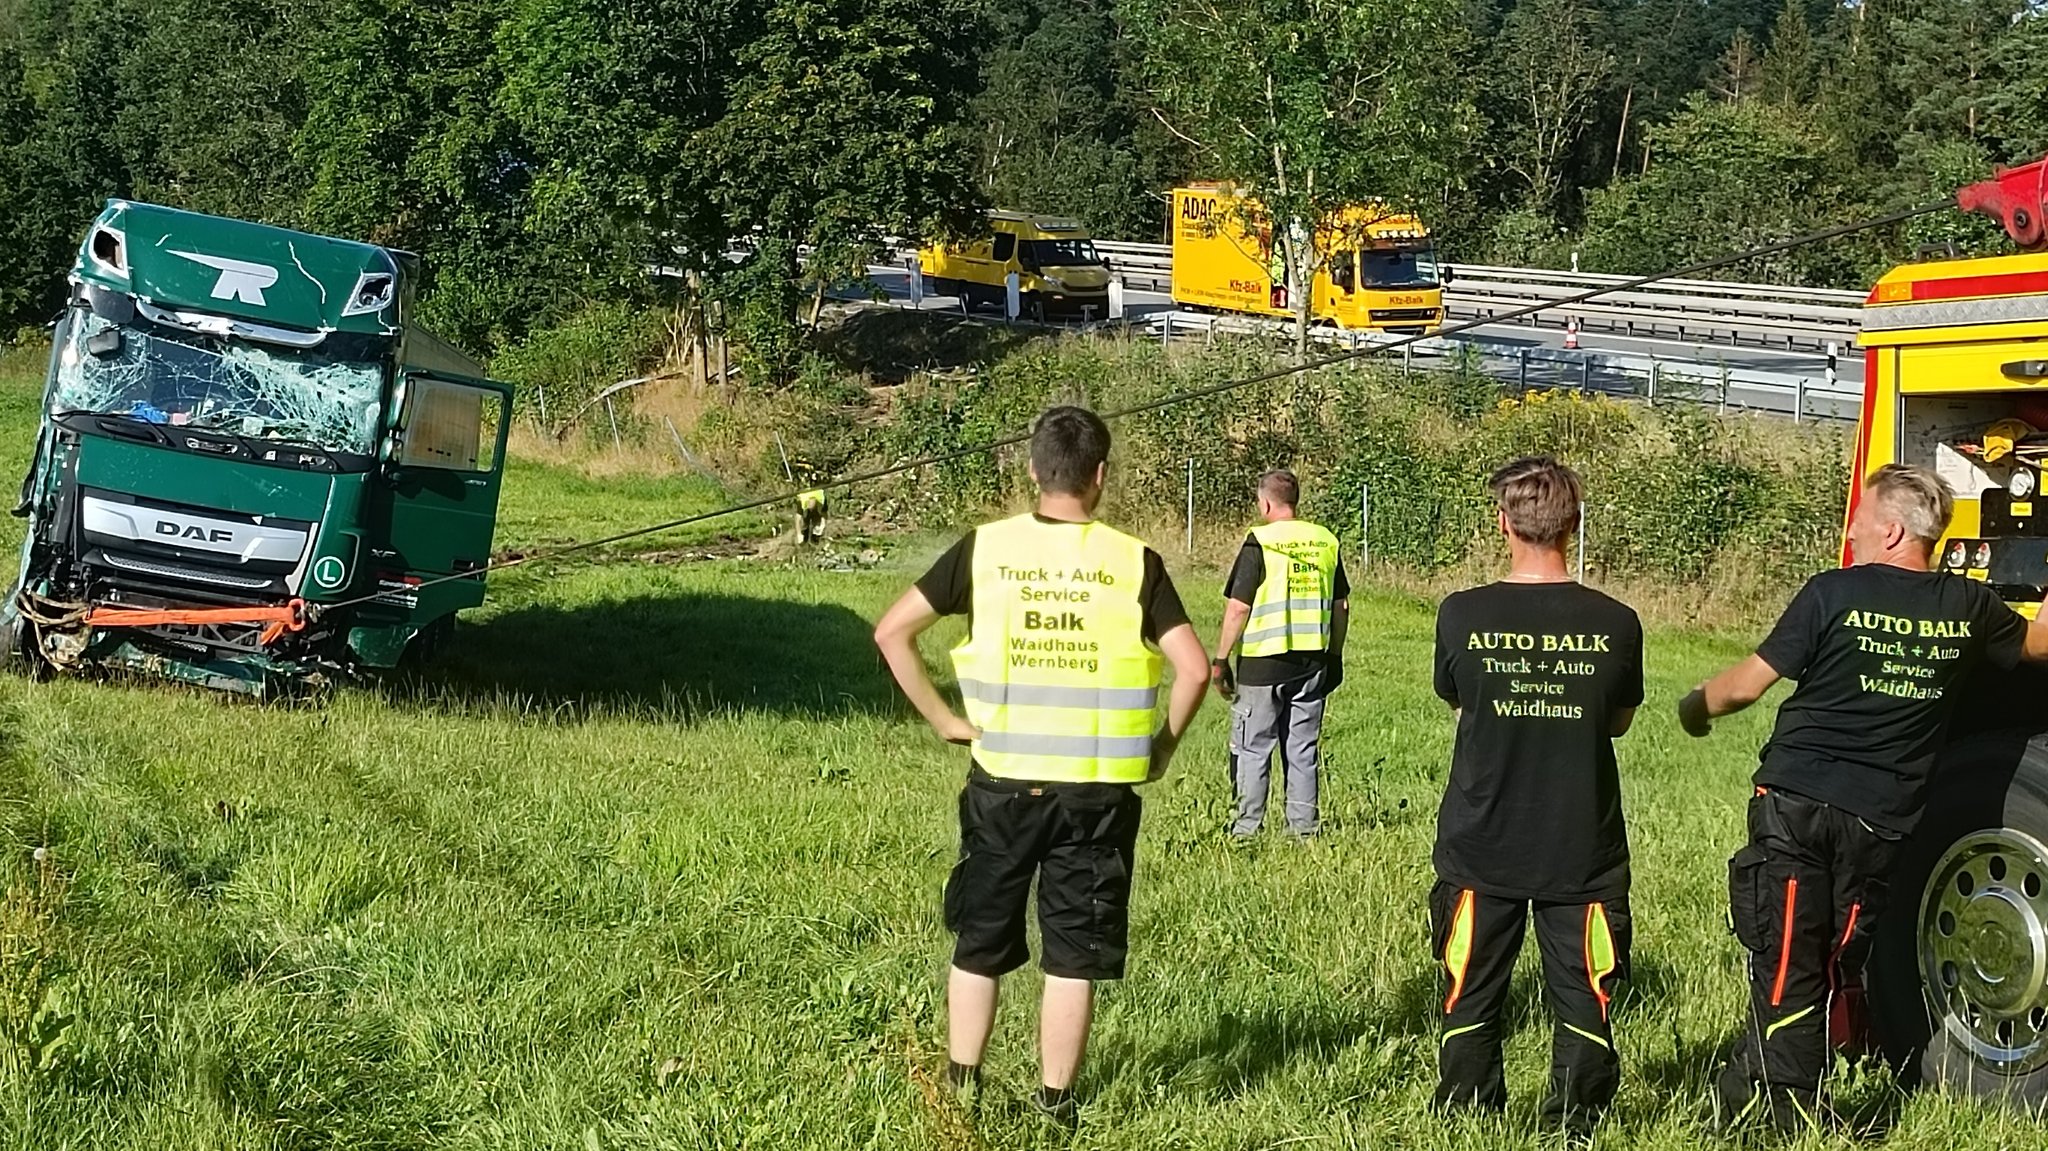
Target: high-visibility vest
(1055,670)
(1292,611)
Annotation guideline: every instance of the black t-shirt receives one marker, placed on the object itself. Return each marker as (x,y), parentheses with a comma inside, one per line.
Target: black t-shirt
(1537,673)
(1877,651)
(949,588)
(1243,586)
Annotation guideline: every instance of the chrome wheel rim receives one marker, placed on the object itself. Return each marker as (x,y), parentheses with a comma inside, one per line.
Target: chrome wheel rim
(1983,935)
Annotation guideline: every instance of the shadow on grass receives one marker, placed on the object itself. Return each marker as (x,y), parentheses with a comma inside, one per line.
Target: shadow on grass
(891,345)
(678,656)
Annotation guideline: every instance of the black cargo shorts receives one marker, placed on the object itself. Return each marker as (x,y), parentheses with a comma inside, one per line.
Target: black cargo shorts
(1077,839)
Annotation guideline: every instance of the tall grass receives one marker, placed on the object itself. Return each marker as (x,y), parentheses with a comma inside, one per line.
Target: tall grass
(653,861)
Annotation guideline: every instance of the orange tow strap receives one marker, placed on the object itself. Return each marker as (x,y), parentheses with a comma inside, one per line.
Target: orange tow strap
(276,621)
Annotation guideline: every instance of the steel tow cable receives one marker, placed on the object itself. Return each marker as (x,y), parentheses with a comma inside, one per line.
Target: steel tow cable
(987,446)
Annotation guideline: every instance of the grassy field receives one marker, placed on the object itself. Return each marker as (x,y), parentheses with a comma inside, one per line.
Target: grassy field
(654,862)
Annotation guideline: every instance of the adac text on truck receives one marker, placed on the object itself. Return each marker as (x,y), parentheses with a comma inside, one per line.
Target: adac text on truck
(251,464)
(1375,267)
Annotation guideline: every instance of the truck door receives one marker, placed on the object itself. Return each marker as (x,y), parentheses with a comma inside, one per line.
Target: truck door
(443,463)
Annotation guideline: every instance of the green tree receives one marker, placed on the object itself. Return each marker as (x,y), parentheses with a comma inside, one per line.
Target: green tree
(1314,105)
(1949,61)
(1789,73)
(24,256)
(1547,69)
(1054,131)
(1726,177)
(670,132)
(2018,110)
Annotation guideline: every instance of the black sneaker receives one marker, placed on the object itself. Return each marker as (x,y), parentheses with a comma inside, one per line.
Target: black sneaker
(1063,1111)
(1735,1102)
(965,1084)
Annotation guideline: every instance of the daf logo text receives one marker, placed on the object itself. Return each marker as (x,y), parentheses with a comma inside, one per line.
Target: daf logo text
(194,532)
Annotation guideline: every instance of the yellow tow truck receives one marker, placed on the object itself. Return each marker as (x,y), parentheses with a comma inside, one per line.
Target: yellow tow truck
(1376,268)
(1059,273)
(1956,380)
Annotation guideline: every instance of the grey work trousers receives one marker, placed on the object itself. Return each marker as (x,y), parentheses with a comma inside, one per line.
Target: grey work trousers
(1287,717)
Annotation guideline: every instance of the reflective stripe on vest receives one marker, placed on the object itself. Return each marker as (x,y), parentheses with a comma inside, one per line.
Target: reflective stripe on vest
(1055,670)
(1292,611)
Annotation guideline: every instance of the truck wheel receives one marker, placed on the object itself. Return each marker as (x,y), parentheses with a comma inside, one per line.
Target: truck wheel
(429,645)
(1959,973)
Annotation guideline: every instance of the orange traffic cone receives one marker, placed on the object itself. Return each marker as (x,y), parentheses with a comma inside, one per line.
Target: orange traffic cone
(1571,332)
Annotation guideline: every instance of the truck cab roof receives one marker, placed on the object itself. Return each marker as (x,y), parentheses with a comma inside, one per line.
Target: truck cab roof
(177,260)
(1031,226)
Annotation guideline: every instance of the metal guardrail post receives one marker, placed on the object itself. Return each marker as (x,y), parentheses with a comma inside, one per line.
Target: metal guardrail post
(1799,400)
(1364,526)
(1585,374)
(1652,399)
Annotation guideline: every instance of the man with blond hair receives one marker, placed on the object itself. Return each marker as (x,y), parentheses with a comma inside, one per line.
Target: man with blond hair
(1877,649)
(1543,674)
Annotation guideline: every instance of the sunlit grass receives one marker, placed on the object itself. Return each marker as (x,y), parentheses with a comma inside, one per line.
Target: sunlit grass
(653,862)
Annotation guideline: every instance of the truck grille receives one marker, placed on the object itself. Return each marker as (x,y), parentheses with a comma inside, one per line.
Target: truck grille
(1403,315)
(189,575)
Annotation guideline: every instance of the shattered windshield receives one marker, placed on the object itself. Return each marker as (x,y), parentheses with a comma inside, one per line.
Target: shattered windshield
(148,372)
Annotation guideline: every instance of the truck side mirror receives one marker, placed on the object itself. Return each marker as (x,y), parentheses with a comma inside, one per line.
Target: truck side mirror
(1446,274)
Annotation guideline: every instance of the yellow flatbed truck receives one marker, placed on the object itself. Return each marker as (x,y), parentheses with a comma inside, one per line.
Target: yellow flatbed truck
(1376,268)
(1059,273)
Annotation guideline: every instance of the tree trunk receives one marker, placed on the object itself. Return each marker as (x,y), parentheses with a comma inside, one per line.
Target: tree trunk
(1621,138)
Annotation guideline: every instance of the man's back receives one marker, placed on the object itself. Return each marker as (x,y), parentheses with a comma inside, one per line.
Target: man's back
(1877,651)
(1539,673)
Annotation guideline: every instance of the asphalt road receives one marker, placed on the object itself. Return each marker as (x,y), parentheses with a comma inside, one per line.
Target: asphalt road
(1760,378)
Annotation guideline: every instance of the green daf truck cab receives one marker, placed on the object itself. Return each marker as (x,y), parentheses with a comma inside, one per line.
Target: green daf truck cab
(252,468)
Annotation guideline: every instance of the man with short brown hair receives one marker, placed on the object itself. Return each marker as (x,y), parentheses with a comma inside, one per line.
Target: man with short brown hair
(1876,648)
(1069,622)
(1543,674)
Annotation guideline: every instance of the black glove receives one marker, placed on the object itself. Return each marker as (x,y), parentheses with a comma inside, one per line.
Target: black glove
(1692,713)
(1221,679)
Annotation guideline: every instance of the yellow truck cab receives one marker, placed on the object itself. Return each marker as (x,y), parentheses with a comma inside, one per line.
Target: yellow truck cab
(1058,270)
(1378,267)
(1956,380)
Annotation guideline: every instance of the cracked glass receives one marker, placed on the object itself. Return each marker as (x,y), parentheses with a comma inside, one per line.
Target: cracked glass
(148,372)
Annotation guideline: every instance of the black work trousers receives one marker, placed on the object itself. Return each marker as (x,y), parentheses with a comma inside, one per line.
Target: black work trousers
(1585,954)
(1804,896)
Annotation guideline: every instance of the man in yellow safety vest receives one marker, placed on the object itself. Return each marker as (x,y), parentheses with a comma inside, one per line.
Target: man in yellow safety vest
(1285,613)
(1060,673)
